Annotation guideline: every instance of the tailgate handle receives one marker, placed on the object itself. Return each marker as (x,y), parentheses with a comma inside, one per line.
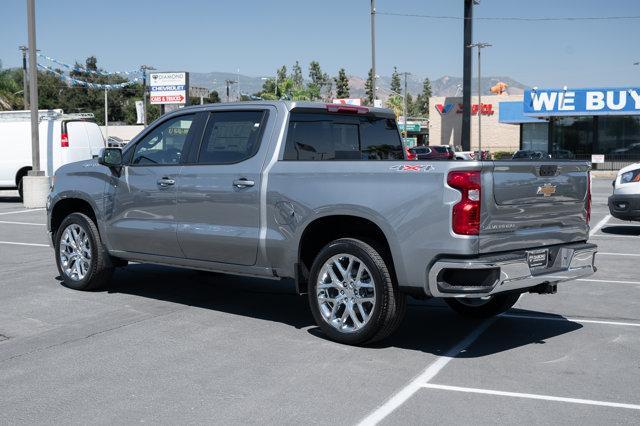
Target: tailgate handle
(548,170)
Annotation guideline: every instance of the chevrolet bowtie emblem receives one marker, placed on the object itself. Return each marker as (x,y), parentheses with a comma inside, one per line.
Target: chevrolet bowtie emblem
(546,190)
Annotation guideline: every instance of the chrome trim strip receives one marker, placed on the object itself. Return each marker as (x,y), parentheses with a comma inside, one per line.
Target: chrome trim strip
(515,273)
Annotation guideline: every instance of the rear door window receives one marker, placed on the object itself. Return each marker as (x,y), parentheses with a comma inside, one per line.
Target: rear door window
(231,137)
(325,137)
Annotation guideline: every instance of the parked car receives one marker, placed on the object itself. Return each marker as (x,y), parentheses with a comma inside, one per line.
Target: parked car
(409,154)
(436,152)
(262,189)
(64,138)
(625,202)
(465,155)
(115,142)
(530,155)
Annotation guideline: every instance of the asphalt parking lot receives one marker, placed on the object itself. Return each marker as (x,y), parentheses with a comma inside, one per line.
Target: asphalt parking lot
(165,345)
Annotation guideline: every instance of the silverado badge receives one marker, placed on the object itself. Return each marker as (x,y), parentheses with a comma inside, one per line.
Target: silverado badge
(547,190)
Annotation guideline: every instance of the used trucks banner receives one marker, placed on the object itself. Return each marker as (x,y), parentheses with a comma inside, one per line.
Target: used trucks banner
(556,102)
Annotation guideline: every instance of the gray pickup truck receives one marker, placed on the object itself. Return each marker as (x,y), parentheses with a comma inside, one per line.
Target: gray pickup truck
(322,194)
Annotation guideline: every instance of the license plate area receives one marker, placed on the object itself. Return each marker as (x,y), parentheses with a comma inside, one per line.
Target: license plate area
(538,258)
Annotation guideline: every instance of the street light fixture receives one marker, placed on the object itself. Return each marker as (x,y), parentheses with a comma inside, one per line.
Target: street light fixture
(480,46)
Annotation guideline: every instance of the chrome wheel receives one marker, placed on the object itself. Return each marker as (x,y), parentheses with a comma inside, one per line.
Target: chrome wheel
(345,293)
(75,252)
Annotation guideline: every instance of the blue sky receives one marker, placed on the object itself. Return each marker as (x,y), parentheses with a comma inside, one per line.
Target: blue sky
(258,36)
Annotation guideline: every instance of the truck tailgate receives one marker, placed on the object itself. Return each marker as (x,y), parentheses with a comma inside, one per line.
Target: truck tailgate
(528,204)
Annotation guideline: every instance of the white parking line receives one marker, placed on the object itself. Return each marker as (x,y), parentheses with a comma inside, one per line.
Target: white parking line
(600,253)
(608,281)
(613,236)
(429,373)
(599,225)
(24,244)
(578,320)
(532,396)
(21,211)
(6,222)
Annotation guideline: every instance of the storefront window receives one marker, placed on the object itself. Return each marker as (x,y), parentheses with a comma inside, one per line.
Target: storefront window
(535,137)
(572,137)
(619,136)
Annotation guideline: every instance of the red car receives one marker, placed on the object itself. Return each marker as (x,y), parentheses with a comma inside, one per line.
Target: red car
(436,152)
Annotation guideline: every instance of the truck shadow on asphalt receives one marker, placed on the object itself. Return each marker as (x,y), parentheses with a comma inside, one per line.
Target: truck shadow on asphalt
(627,230)
(429,326)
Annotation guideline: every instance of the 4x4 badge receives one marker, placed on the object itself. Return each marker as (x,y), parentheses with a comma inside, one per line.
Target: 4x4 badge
(547,190)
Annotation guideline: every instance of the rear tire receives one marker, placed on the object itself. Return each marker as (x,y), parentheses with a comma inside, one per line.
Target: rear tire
(495,305)
(82,260)
(352,295)
(20,189)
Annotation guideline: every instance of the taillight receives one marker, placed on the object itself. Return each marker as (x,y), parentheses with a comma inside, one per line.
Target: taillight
(64,140)
(588,208)
(465,219)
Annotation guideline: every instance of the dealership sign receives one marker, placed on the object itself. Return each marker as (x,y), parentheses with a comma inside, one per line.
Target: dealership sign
(168,87)
(487,109)
(554,102)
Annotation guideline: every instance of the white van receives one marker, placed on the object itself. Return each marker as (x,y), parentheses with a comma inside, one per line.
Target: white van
(64,138)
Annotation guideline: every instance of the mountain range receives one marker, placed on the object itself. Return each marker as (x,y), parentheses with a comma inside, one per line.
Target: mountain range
(443,86)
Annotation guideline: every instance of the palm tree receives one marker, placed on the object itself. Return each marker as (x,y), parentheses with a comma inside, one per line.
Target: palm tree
(9,90)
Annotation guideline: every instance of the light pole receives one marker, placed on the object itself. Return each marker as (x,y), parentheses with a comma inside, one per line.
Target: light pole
(373,48)
(25,80)
(229,82)
(144,69)
(480,46)
(404,101)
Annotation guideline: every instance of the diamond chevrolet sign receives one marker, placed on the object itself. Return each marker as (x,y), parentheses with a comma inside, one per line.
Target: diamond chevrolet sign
(169,87)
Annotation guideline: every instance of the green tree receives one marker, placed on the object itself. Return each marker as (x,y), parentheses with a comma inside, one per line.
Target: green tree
(342,84)
(369,86)
(396,84)
(282,74)
(296,76)
(320,81)
(422,101)
(10,98)
(395,104)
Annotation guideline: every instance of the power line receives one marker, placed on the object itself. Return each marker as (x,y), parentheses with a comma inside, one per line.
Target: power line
(513,18)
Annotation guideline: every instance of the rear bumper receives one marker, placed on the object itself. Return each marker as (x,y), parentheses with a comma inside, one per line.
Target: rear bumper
(625,207)
(508,271)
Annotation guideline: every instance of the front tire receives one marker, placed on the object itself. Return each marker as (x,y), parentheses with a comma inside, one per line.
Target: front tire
(483,308)
(82,260)
(352,295)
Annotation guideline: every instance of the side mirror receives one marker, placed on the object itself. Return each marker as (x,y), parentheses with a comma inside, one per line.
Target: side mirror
(110,157)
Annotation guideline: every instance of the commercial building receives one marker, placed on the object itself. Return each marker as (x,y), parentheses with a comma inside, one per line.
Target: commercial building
(445,123)
(566,123)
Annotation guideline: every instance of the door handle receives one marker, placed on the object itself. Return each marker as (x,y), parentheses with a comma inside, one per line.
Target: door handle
(243,183)
(165,181)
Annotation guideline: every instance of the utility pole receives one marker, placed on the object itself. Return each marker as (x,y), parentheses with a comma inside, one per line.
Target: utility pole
(106,114)
(404,101)
(480,46)
(144,69)
(373,48)
(238,77)
(466,75)
(229,82)
(25,80)
(33,92)
(35,186)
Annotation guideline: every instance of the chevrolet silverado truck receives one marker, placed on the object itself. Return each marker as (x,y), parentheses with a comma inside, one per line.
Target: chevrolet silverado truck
(321,194)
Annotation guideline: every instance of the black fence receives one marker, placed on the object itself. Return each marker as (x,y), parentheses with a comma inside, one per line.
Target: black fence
(611,162)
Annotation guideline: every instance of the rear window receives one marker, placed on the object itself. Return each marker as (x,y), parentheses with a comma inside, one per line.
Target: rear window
(323,137)
(441,149)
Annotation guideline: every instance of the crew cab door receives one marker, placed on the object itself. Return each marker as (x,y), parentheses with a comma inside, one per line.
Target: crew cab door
(219,187)
(141,203)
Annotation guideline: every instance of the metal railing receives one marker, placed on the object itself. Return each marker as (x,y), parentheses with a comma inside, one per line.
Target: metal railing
(611,162)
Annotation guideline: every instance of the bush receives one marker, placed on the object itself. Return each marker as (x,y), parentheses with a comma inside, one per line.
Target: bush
(502,155)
